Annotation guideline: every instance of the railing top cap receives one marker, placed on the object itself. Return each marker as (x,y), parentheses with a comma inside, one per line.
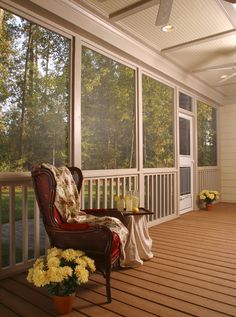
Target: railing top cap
(13,177)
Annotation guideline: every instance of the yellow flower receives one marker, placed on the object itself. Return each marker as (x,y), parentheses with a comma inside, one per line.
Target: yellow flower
(54,275)
(79,253)
(30,275)
(81,261)
(39,278)
(61,271)
(53,262)
(82,274)
(90,263)
(211,196)
(39,263)
(53,252)
(69,254)
(67,271)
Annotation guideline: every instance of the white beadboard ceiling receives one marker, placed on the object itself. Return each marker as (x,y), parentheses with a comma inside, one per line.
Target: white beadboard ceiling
(204,35)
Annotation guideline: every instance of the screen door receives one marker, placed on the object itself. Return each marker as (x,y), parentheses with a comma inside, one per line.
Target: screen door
(185,163)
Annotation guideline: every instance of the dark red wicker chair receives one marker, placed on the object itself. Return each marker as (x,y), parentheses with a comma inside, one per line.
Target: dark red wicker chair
(98,241)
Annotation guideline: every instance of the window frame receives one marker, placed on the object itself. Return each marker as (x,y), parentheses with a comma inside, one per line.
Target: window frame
(175,108)
(37,19)
(82,42)
(191,113)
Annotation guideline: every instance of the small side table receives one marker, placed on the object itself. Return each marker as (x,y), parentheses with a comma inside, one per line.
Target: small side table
(139,244)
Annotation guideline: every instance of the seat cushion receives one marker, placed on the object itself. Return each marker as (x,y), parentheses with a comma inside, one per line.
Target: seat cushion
(74,226)
(68,226)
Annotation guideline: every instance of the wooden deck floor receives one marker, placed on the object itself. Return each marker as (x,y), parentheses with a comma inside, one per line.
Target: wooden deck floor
(193,273)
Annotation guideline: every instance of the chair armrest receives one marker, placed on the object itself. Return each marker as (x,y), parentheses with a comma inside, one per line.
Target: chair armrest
(73,226)
(96,238)
(106,212)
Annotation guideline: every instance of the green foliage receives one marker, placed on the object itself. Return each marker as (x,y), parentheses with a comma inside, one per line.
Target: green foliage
(207,142)
(108,113)
(66,288)
(158,128)
(5,203)
(34,94)
(6,254)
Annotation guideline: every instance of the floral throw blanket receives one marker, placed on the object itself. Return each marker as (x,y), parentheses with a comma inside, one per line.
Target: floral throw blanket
(68,205)
(67,196)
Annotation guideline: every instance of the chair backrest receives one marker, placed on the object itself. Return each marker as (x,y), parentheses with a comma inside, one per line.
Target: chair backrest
(45,190)
(77,175)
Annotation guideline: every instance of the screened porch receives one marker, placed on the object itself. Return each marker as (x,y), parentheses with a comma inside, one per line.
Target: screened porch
(75,90)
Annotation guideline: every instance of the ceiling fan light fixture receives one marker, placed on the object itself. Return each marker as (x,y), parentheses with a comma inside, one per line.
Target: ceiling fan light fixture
(167,28)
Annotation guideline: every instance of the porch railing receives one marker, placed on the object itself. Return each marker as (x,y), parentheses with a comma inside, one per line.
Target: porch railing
(23,237)
(160,195)
(99,192)
(208,178)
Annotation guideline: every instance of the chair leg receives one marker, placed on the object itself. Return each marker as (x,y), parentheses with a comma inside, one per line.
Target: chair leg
(108,286)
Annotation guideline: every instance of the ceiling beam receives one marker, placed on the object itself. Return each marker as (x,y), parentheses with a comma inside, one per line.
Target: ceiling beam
(132,9)
(225,85)
(199,41)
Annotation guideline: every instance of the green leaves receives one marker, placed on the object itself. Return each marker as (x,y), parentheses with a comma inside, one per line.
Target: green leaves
(65,288)
(34,94)
(206,127)
(108,113)
(158,118)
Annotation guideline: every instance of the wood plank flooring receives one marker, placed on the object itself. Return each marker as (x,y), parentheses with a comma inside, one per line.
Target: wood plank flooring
(193,273)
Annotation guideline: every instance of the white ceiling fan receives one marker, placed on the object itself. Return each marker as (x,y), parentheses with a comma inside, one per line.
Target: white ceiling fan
(229,66)
(164,11)
(163,14)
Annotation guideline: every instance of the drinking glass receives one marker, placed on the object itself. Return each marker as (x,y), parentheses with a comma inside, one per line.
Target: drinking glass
(120,204)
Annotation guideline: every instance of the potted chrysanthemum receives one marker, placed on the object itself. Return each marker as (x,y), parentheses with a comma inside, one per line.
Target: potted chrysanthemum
(61,271)
(209,196)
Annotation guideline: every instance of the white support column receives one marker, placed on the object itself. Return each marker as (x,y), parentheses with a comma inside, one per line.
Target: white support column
(139,128)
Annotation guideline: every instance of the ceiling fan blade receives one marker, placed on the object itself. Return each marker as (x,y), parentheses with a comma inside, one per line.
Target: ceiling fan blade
(218,67)
(227,78)
(231,1)
(163,12)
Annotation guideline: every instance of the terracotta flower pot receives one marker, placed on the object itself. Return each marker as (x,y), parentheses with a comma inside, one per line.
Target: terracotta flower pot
(63,304)
(209,207)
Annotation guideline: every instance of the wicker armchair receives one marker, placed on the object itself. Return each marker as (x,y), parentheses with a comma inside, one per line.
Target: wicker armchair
(99,242)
